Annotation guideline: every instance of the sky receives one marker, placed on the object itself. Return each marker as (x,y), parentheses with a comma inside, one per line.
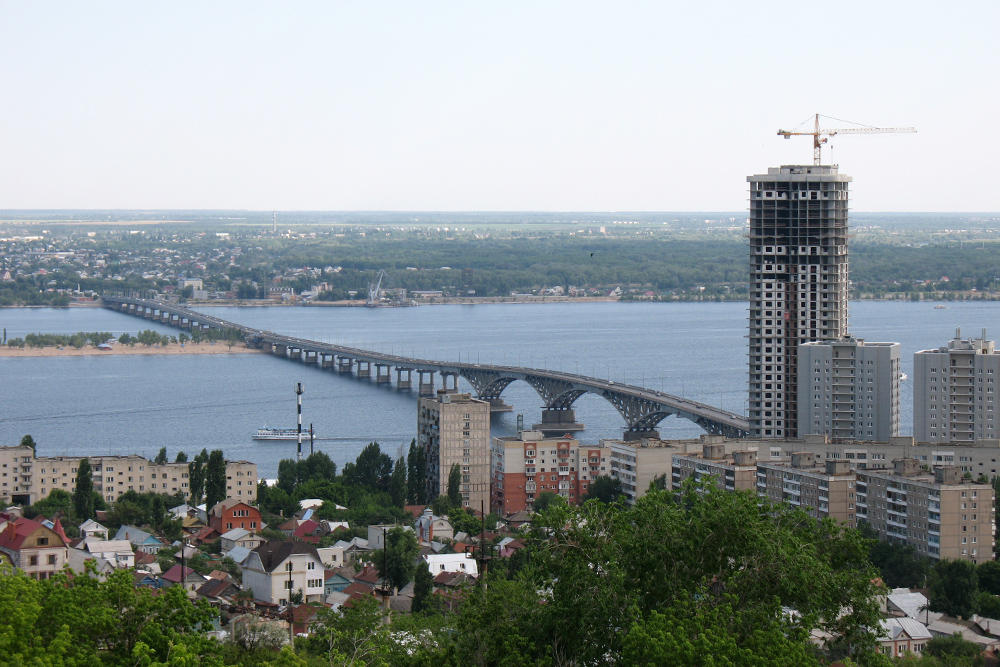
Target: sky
(501,106)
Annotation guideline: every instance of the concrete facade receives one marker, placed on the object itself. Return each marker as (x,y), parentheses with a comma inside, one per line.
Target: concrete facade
(17,478)
(798,283)
(822,489)
(276,570)
(525,466)
(849,388)
(733,472)
(938,512)
(454,429)
(955,392)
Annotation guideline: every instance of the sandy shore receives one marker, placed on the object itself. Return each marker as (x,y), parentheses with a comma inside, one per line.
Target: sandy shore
(189,348)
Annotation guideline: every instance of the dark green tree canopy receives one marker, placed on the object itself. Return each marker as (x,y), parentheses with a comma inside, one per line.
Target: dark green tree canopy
(455,486)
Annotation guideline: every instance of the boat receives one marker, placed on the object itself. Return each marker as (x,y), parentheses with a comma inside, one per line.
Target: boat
(940,307)
(279,434)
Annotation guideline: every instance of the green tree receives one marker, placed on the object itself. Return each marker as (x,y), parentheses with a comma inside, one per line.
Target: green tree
(545,500)
(397,483)
(395,562)
(441,506)
(989,576)
(161,457)
(57,502)
(955,646)
(181,458)
(605,488)
(954,588)
(196,477)
(215,478)
(423,588)
(372,469)
(899,565)
(83,495)
(352,636)
(28,441)
(416,478)
(455,486)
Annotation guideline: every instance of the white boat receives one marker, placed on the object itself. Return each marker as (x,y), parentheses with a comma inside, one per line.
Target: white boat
(280,434)
(940,307)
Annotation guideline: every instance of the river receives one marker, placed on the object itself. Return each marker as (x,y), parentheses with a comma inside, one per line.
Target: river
(137,404)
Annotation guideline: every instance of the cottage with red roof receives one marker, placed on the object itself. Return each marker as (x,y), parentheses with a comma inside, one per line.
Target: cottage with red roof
(34,548)
(231,513)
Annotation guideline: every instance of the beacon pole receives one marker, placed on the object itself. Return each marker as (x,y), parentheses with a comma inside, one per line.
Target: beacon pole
(298,397)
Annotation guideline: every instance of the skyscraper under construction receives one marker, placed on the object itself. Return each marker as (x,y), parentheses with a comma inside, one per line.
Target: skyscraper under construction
(798,283)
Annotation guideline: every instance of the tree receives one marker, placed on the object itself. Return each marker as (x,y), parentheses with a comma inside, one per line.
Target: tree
(954,588)
(57,502)
(215,478)
(604,488)
(181,458)
(83,495)
(372,469)
(395,561)
(989,577)
(28,441)
(455,486)
(255,638)
(423,588)
(955,646)
(353,635)
(899,565)
(196,477)
(416,474)
(397,483)
(441,506)
(161,457)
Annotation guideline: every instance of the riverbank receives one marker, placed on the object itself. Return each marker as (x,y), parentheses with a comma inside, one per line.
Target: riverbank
(117,350)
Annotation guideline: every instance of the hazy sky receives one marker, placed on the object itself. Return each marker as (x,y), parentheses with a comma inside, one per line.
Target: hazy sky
(536,105)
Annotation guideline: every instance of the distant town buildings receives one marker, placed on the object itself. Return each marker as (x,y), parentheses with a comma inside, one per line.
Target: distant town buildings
(454,429)
(849,388)
(798,284)
(955,392)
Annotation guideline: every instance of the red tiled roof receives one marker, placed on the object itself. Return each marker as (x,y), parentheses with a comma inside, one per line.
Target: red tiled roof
(205,534)
(174,574)
(307,527)
(358,591)
(16,532)
(415,510)
(369,575)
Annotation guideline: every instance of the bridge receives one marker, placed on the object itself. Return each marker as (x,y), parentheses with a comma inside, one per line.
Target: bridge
(641,408)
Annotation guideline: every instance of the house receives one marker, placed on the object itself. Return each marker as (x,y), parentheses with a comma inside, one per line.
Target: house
(354,549)
(368,576)
(902,602)
(140,539)
(332,556)
(240,537)
(191,580)
(118,552)
(187,511)
(231,513)
(33,548)
(238,555)
(465,563)
(206,535)
(91,528)
(900,635)
(78,560)
(215,589)
(307,530)
(276,570)
(430,527)
(337,580)
(144,579)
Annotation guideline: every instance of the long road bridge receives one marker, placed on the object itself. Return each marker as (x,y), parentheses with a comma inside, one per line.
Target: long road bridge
(641,408)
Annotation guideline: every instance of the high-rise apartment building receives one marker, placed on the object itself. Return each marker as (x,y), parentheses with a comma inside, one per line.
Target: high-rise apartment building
(955,392)
(849,389)
(798,283)
(454,429)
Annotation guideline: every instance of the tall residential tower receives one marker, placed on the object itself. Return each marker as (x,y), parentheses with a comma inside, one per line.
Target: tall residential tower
(798,283)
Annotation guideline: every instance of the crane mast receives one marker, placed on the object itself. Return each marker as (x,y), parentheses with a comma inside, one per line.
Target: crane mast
(819,139)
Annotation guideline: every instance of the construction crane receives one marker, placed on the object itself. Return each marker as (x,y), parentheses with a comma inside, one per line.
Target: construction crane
(819,139)
(375,290)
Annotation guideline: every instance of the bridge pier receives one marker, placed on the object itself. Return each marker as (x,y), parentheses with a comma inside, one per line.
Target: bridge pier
(382,374)
(279,349)
(364,369)
(309,356)
(147,313)
(425,388)
(345,364)
(326,361)
(402,383)
(556,422)
(638,434)
(498,405)
(450,382)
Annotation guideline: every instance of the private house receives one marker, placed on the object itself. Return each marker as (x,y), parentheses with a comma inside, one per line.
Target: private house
(240,537)
(276,570)
(900,635)
(33,548)
(464,563)
(335,581)
(185,576)
(353,549)
(431,528)
(79,559)
(231,513)
(215,589)
(332,556)
(140,540)
(118,552)
(91,528)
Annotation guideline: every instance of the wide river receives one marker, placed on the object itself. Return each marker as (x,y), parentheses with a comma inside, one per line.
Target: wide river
(92,405)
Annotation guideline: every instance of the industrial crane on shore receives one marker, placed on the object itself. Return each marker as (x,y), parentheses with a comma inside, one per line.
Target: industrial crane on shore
(819,139)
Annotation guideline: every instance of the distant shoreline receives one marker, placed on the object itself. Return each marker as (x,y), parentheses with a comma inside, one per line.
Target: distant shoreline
(117,350)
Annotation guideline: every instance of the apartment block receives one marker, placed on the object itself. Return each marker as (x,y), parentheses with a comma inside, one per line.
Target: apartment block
(955,392)
(849,388)
(824,489)
(526,465)
(939,512)
(114,475)
(798,283)
(17,465)
(454,429)
(732,472)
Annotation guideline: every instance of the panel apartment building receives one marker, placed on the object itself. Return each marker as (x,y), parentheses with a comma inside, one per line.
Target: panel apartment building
(36,477)
(849,389)
(527,465)
(955,392)
(454,429)
(798,283)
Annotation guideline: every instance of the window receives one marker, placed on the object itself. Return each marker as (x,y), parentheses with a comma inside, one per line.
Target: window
(52,559)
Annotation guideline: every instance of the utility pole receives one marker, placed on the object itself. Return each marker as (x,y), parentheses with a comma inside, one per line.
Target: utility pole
(312,439)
